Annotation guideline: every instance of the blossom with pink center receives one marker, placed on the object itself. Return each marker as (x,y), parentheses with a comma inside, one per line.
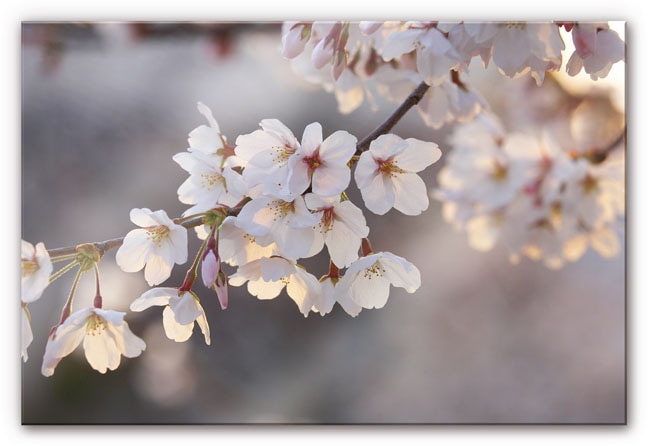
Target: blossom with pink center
(158,244)
(289,224)
(341,227)
(386,174)
(321,164)
(181,310)
(105,336)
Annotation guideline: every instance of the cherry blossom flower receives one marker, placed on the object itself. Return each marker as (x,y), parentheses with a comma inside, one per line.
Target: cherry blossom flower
(158,244)
(181,310)
(36,268)
(266,277)
(105,336)
(341,227)
(368,278)
(386,174)
(435,55)
(323,162)
(288,224)
(211,272)
(206,139)
(264,154)
(210,183)
(597,49)
(237,247)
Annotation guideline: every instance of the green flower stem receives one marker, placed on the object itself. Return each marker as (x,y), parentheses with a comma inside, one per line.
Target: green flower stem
(67,309)
(63,270)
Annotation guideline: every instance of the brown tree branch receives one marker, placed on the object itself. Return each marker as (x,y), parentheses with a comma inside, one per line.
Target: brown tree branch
(413,99)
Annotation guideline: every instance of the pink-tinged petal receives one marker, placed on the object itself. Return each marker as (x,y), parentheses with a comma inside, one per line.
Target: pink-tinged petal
(366,170)
(387,146)
(584,37)
(205,139)
(159,266)
(26,335)
(410,194)
(257,217)
(204,328)
(311,139)
(279,129)
(400,272)
(174,330)
(101,352)
(401,42)
(338,148)
(304,289)
(185,308)
(128,344)
(351,216)
(370,292)
(274,268)
(299,176)
(510,50)
(207,113)
(418,155)
(142,217)
(265,290)
(154,297)
(379,195)
(343,297)
(295,243)
(177,240)
(329,181)
(134,251)
(343,245)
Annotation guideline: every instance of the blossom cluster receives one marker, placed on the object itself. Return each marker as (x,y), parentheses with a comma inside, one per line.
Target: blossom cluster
(539,199)
(364,60)
(263,204)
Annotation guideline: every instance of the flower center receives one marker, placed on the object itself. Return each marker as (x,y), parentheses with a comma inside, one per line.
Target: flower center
(157,234)
(95,326)
(208,181)
(375,270)
(281,209)
(280,154)
(500,171)
(389,168)
(326,222)
(29,267)
(313,161)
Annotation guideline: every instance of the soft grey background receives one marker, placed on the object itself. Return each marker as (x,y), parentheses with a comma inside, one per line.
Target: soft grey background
(482,341)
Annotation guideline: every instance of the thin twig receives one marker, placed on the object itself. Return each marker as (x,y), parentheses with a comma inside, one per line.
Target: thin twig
(386,126)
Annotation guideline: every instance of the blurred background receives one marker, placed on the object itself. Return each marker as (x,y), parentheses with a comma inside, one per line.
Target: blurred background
(104,108)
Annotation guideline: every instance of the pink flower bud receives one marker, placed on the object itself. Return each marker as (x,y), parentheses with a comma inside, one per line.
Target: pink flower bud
(221,289)
(323,52)
(294,41)
(209,268)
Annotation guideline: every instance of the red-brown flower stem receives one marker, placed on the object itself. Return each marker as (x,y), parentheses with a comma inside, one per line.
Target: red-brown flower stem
(98,300)
(413,99)
(366,247)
